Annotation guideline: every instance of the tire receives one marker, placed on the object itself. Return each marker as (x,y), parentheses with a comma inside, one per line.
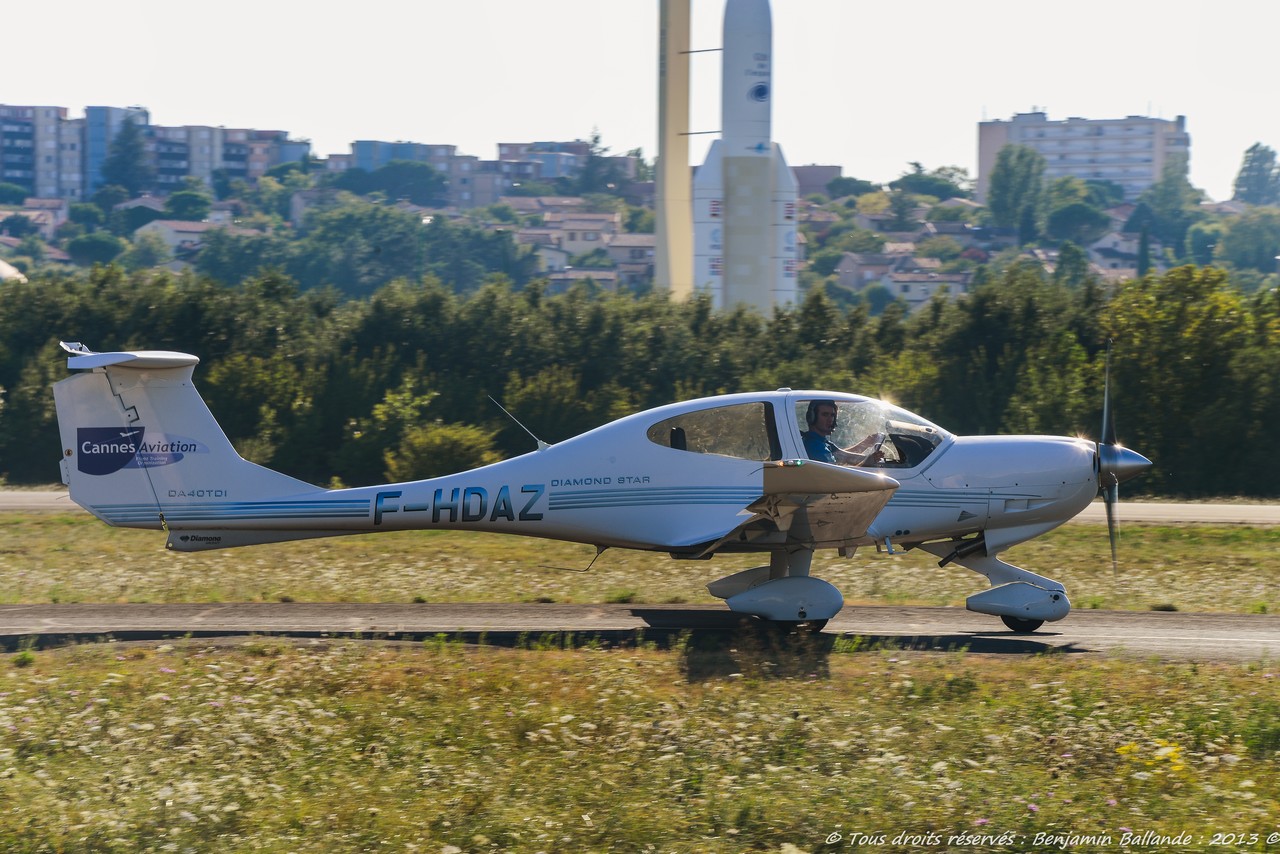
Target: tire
(1022,626)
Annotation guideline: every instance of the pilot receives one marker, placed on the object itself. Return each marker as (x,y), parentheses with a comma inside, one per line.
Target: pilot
(821,418)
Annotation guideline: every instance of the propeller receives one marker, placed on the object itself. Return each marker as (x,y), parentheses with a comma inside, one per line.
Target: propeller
(1116,463)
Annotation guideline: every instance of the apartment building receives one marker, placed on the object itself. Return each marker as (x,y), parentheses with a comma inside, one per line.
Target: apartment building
(101,126)
(204,152)
(32,148)
(1131,152)
(53,156)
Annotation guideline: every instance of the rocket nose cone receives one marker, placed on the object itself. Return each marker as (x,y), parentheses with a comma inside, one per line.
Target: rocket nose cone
(747,16)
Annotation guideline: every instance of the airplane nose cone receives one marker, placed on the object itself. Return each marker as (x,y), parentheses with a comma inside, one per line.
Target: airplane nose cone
(1122,462)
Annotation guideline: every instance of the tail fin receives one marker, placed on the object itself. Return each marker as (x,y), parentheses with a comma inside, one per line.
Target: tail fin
(141,449)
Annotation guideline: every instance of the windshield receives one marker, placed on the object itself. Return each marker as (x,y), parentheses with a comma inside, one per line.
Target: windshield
(868,433)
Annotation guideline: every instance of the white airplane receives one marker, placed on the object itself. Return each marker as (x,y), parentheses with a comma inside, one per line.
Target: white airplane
(724,474)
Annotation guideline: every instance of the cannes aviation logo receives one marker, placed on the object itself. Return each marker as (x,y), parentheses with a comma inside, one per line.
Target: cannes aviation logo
(107,450)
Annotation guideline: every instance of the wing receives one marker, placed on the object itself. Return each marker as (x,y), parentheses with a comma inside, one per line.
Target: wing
(809,503)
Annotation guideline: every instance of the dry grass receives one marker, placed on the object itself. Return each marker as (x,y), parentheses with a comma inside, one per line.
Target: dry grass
(760,744)
(439,747)
(72,558)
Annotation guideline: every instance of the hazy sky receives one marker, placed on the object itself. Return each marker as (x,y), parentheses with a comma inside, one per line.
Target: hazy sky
(870,86)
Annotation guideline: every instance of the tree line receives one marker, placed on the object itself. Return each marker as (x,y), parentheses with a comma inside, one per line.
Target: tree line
(396,384)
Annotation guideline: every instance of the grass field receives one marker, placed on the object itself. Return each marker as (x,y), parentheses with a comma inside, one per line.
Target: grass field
(73,558)
(271,746)
(750,743)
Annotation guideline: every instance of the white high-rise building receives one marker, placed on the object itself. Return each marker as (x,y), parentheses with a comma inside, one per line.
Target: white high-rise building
(1131,152)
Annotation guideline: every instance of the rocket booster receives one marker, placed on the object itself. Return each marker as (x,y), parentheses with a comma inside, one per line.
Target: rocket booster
(744,194)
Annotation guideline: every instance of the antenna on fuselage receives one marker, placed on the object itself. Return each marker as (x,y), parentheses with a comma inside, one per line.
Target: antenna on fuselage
(542,446)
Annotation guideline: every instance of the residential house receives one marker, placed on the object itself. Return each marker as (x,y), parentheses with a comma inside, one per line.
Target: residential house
(546,245)
(1116,254)
(59,209)
(917,289)
(44,221)
(856,270)
(583,232)
(185,238)
(632,255)
(560,280)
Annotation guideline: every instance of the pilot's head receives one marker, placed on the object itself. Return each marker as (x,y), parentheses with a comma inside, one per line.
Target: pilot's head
(821,416)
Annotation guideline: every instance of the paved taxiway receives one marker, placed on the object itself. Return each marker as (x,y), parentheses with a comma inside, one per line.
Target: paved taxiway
(1171,636)
(1168,636)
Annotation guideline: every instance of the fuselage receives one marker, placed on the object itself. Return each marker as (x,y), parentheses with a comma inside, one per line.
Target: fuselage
(678,477)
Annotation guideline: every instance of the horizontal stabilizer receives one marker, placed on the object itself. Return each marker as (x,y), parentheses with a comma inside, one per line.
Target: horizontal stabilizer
(84,359)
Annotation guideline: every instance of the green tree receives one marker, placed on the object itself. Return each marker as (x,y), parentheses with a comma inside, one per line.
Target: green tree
(12,194)
(838,188)
(1017,184)
(146,250)
(188,205)
(359,247)
(1252,240)
(436,449)
(1103,194)
(644,168)
(1202,241)
(1072,269)
(232,258)
(1144,253)
(108,196)
(1077,222)
(1174,203)
(32,247)
(18,225)
(96,248)
(418,183)
(88,215)
(1258,181)
(598,174)
(948,183)
(1176,339)
(943,247)
(903,208)
(126,162)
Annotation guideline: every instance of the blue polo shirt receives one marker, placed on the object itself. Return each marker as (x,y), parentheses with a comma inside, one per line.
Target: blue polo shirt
(818,447)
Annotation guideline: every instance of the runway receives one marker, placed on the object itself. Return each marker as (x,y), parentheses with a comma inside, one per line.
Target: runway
(1149,635)
(1168,636)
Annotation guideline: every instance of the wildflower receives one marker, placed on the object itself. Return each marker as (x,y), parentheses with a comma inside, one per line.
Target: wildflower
(981,821)
(1033,808)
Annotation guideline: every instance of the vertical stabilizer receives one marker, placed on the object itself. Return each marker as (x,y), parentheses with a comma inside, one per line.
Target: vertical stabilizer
(139,443)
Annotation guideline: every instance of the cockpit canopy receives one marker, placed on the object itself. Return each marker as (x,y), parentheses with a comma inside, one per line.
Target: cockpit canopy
(873,433)
(880,434)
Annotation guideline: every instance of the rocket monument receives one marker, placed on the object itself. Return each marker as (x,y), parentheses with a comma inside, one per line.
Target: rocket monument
(744,194)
